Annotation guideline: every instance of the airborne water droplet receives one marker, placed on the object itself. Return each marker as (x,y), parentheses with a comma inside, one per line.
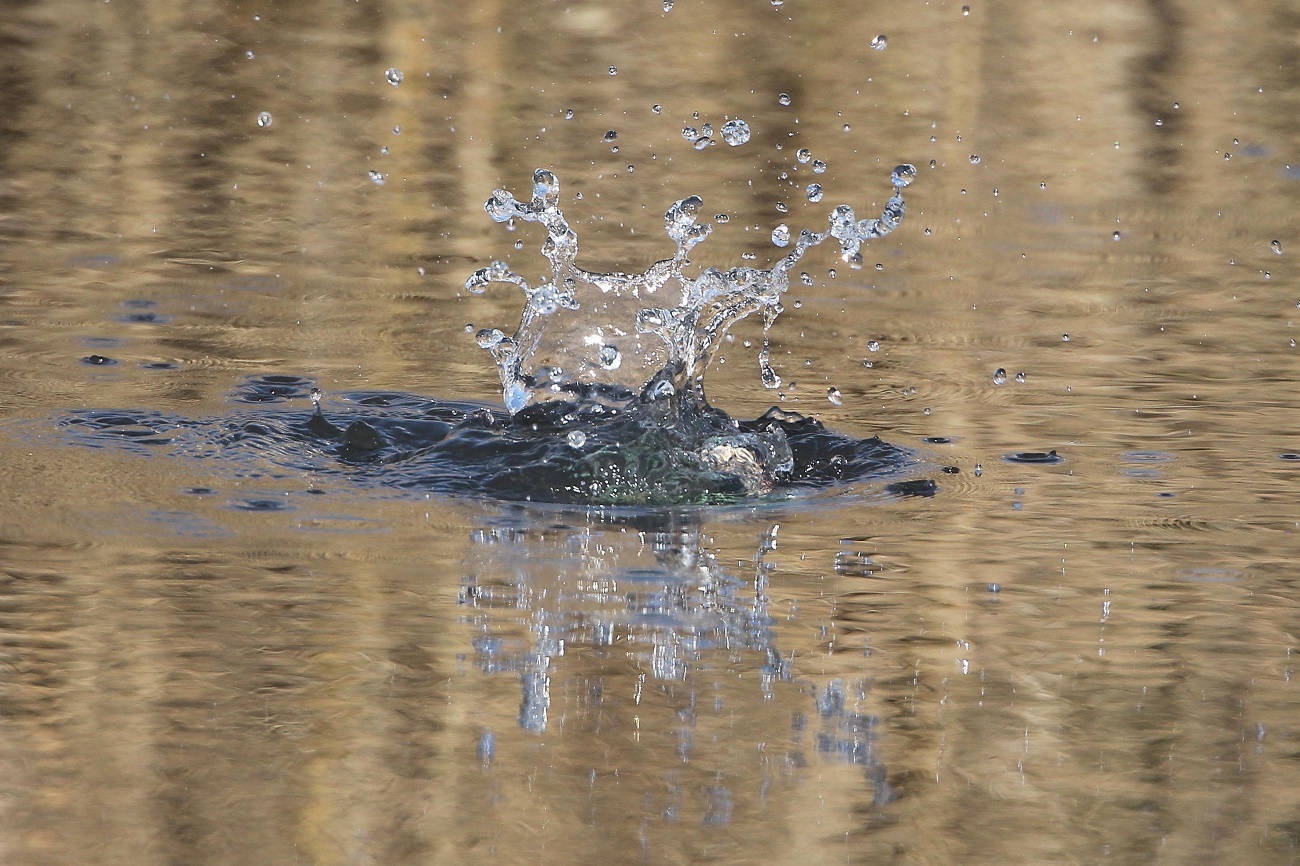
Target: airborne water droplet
(576,438)
(394,75)
(781,235)
(1276,247)
(378,177)
(879,42)
(873,345)
(735,132)
(814,192)
(612,135)
(610,357)
(999,376)
(613,70)
(834,395)
(974,159)
(264,120)
(803,155)
(784,99)
(818,166)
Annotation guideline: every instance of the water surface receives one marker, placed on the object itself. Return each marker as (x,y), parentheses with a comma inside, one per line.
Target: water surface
(1078,658)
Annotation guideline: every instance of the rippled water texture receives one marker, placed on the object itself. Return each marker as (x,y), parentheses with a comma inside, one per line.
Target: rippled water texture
(1053,620)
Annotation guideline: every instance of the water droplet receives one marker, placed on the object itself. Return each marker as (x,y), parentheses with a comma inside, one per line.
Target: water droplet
(979,469)
(721,218)
(965,11)
(834,395)
(999,376)
(873,345)
(378,177)
(264,119)
(489,337)
(777,4)
(394,75)
(610,357)
(903,175)
(702,142)
(1042,184)
(1115,236)
(576,438)
(818,166)
(397,130)
(1159,122)
(803,155)
(848,128)
(1020,377)
(735,132)
(656,109)
(782,207)
(1277,247)
(814,192)
(783,99)
(781,235)
(1065,338)
(806,278)
(668,5)
(249,54)
(879,42)
(612,135)
(568,114)
(613,70)
(974,159)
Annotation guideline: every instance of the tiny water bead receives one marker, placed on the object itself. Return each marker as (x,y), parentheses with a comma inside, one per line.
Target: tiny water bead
(873,345)
(393,75)
(814,192)
(834,395)
(781,235)
(1276,246)
(264,119)
(568,114)
(378,178)
(613,70)
(879,42)
(803,155)
(783,99)
(612,135)
(974,159)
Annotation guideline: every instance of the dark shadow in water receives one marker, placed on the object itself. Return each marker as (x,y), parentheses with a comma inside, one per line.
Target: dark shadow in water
(558,452)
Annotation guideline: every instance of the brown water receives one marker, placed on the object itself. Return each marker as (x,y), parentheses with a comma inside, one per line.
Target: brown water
(1076,662)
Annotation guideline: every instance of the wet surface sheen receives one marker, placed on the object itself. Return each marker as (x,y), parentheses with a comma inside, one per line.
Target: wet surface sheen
(1053,619)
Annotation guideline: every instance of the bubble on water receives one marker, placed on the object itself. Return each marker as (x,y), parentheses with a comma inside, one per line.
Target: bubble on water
(803,155)
(783,99)
(999,376)
(814,192)
(264,119)
(610,357)
(879,42)
(873,345)
(576,438)
(393,75)
(378,178)
(1276,246)
(974,159)
(781,235)
(612,135)
(818,166)
(735,132)
(833,394)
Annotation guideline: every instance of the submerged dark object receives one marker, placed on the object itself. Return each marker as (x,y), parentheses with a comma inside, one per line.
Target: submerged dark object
(664,452)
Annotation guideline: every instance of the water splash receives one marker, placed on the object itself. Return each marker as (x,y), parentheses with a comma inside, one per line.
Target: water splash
(617,338)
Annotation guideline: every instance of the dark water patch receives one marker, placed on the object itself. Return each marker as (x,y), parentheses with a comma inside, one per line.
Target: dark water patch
(1050,458)
(656,454)
(274,388)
